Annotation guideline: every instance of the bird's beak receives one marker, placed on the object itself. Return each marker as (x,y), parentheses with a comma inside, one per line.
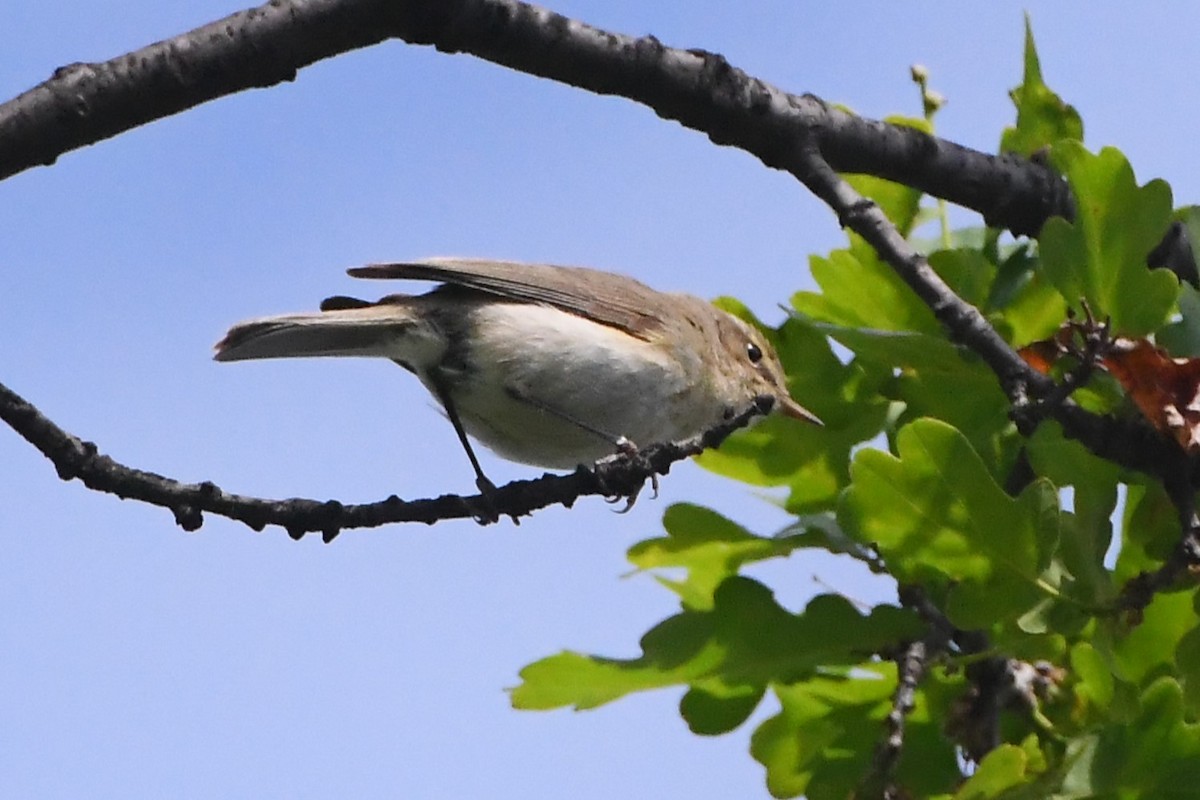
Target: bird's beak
(790,408)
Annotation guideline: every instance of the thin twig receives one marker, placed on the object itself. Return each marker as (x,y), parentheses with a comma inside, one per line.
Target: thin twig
(912,664)
(1140,590)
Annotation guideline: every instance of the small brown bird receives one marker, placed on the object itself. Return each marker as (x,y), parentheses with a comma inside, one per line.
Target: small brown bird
(551,366)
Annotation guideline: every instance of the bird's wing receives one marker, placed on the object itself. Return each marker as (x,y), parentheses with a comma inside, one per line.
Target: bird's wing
(614,300)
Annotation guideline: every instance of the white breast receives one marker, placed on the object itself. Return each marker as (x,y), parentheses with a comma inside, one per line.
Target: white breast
(570,367)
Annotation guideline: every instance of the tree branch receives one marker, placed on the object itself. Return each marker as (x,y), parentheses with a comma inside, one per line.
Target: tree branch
(1033,396)
(85,103)
(913,661)
(621,475)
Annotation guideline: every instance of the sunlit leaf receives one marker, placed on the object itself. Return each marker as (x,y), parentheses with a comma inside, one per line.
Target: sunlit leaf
(1101,257)
(709,546)
(936,514)
(1001,770)
(1042,116)
(746,640)
(844,300)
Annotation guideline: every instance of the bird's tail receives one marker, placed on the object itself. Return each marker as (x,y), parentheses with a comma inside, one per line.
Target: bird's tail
(345,327)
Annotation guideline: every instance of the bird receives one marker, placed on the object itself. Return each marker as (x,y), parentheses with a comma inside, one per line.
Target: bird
(546,365)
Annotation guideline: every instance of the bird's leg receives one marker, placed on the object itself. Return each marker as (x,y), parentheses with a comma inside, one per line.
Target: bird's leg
(487,489)
(622,444)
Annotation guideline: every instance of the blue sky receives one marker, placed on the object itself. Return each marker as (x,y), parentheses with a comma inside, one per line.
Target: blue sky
(141,661)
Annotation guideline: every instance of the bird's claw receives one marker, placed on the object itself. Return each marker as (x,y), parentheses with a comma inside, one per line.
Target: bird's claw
(484,510)
(632,497)
(628,450)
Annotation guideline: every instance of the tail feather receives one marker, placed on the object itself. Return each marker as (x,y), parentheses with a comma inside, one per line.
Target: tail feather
(378,331)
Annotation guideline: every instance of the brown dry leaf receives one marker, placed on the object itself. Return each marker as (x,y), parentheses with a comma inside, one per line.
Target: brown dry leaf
(1167,390)
(1041,355)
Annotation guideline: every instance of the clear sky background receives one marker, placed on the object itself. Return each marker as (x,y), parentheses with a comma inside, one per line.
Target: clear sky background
(140,661)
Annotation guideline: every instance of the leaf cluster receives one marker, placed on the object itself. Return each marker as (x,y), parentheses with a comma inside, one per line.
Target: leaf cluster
(1019,545)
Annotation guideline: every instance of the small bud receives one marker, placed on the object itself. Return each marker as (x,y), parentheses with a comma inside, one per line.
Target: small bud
(920,73)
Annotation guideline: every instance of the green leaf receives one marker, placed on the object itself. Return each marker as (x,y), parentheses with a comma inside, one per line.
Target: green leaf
(1093,677)
(746,640)
(1065,462)
(809,735)
(1042,116)
(822,741)
(937,516)
(1036,313)
(893,348)
(1101,257)
(1190,217)
(1030,308)
(1150,648)
(968,272)
(1187,662)
(822,530)
(935,376)
(1182,338)
(1012,275)
(711,547)
(844,278)
(1156,754)
(1001,770)
(711,708)
(939,393)
(1151,529)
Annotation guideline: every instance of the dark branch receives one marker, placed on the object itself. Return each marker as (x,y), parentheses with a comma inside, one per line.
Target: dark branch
(621,475)
(964,323)
(1183,561)
(1034,397)
(912,664)
(1128,442)
(86,103)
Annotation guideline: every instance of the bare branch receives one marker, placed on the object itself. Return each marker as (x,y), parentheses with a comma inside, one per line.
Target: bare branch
(1184,560)
(912,665)
(621,475)
(86,103)
(965,324)
(1128,442)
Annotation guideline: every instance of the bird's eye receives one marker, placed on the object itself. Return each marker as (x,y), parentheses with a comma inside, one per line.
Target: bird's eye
(754,353)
